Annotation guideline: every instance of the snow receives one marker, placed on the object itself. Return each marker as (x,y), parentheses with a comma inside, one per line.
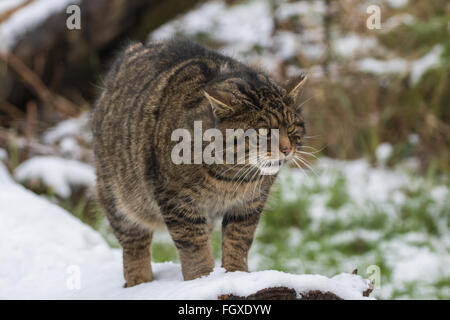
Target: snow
(415,259)
(396,4)
(72,127)
(3,154)
(57,173)
(415,68)
(9,4)
(52,255)
(287,10)
(383,152)
(396,20)
(376,66)
(414,262)
(351,44)
(241,26)
(413,138)
(28,18)
(423,64)
(72,138)
(364,183)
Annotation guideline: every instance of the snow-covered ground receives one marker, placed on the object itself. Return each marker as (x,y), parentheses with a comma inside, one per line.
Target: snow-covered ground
(342,216)
(379,214)
(390,223)
(57,173)
(48,254)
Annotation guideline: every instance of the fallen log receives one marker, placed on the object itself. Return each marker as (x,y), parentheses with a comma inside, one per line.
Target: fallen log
(71,60)
(285,293)
(339,290)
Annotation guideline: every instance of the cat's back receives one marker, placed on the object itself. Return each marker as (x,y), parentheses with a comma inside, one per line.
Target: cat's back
(158,73)
(160,60)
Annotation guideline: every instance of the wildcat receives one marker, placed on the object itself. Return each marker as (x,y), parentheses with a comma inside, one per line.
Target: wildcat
(150,91)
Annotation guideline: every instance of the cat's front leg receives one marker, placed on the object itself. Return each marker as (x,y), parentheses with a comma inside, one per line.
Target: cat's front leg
(189,231)
(238,231)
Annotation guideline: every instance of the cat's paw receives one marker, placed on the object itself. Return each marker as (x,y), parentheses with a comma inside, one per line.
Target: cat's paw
(134,280)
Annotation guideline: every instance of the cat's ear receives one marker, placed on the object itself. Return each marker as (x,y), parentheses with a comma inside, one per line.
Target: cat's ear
(220,104)
(293,85)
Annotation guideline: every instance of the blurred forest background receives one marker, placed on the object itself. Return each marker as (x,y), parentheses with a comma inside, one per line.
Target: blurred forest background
(374,191)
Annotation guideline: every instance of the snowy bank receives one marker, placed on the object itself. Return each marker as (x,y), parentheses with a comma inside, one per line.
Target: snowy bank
(57,173)
(49,254)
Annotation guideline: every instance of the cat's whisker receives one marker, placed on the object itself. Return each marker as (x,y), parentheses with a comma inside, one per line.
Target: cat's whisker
(260,185)
(301,168)
(301,158)
(307,153)
(238,163)
(233,167)
(251,179)
(248,171)
(242,178)
(308,165)
(312,137)
(305,102)
(256,184)
(312,148)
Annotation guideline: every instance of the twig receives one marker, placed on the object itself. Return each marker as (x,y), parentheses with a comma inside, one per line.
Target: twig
(11,110)
(31,122)
(59,103)
(31,146)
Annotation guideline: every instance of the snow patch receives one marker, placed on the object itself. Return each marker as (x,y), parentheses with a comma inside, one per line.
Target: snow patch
(416,68)
(300,8)
(399,19)
(58,173)
(384,152)
(427,62)
(396,4)
(68,128)
(240,26)
(415,263)
(376,66)
(3,154)
(352,44)
(9,4)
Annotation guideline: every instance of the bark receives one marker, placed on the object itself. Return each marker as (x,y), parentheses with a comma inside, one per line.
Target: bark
(285,293)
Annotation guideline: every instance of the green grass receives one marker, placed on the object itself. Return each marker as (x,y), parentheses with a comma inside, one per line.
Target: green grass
(353,237)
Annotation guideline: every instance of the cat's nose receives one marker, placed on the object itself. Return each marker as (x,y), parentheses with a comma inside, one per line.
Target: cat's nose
(285,145)
(285,150)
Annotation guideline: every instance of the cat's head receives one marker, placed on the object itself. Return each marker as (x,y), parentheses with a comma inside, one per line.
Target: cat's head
(260,104)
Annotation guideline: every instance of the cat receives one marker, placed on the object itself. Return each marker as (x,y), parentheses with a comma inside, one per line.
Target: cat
(152,90)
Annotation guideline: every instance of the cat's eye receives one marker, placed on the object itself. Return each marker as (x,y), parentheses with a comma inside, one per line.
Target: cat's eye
(291,129)
(263,131)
